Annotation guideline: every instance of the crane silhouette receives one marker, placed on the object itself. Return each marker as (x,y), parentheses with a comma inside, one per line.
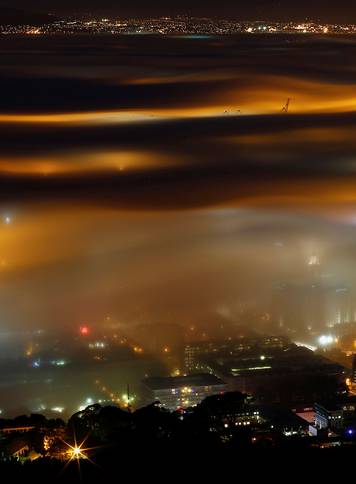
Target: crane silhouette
(286,107)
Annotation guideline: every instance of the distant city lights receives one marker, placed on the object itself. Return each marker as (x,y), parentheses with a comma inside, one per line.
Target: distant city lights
(138,349)
(97,344)
(187,27)
(128,400)
(58,362)
(89,401)
(57,409)
(314,261)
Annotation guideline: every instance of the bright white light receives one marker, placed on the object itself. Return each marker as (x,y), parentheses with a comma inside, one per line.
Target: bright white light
(57,409)
(76,452)
(306,345)
(326,339)
(7,220)
(314,261)
(88,401)
(262,357)
(58,362)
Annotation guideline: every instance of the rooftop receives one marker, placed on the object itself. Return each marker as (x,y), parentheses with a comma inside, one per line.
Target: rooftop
(201,379)
(337,404)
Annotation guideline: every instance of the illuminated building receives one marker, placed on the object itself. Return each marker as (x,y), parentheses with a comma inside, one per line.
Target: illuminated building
(354,370)
(287,302)
(196,353)
(307,413)
(182,391)
(336,416)
(301,300)
(247,417)
(340,308)
(315,296)
(283,420)
(16,430)
(17,450)
(276,374)
(315,300)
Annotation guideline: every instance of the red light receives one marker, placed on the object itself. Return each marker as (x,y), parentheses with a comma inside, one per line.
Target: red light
(84,330)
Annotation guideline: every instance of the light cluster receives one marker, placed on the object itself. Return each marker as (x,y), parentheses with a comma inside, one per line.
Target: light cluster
(180,25)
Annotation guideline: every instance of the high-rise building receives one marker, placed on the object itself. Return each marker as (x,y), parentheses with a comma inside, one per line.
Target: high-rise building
(340,307)
(301,302)
(354,370)
(315,295)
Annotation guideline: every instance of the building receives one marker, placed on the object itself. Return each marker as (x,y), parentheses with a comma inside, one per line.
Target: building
(196,353)
(283,420)
(337,416)
(181,391)
(340,307)
(16,430)
(16,449)
(306,412)
(354,370)
(286,375)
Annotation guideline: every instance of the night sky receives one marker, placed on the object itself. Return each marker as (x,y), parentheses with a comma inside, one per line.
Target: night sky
(333,10)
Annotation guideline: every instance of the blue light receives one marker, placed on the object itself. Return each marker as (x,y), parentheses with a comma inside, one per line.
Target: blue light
(194,36)
(350,432)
